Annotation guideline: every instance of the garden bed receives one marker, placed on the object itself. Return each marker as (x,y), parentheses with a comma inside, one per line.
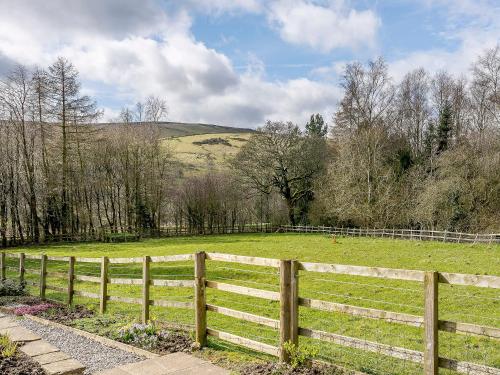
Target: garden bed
(13,362)
(273,368)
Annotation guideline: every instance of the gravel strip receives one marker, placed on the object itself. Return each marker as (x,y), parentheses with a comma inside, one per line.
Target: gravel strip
(92,354)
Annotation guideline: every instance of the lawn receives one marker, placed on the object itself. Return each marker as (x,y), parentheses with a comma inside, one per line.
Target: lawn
(467,304)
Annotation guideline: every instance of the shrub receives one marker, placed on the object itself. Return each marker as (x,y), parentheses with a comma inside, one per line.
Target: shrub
(300,356)
(12,288)
(7,347)
(34,309)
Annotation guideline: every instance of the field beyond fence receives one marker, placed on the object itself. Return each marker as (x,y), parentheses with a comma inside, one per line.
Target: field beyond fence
(93,278)
(106,235)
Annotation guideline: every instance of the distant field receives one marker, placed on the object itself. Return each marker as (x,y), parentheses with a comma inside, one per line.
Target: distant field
(466,304)
(197,154)
(180,129)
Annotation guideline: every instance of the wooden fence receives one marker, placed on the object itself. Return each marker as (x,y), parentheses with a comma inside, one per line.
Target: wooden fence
(289,299)
(410,234)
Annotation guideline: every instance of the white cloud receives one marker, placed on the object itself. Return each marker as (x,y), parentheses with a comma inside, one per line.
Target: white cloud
(138,51)
(324,27)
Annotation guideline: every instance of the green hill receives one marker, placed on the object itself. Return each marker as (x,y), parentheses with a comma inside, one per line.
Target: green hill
(181,129)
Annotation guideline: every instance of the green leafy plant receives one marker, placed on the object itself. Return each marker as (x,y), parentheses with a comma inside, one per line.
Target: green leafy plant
(7,347)
(300,356)
(12,288)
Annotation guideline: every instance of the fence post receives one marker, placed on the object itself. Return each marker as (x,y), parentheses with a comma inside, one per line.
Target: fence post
(43,275)
(2,266)
(285,301)
(103,297)
(431,355)
(71,280)
(294,302)
(22,257)
(200,303)
(146,282)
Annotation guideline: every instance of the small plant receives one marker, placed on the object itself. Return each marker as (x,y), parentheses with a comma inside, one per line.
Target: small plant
(34,309)
(143,335)
(300,356)
(7,347)
(12,288)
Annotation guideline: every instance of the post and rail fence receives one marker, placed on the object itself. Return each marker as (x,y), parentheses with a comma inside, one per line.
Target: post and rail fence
(105,235)
(288,297)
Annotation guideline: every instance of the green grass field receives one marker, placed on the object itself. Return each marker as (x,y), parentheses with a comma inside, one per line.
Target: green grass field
(466,304)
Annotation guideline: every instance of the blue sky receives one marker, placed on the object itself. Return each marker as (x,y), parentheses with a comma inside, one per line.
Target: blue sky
(241,62)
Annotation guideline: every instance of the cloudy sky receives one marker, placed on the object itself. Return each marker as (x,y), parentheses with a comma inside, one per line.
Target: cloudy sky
(240,62)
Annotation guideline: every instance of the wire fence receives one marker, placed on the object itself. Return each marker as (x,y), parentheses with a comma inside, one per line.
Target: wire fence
(371,319)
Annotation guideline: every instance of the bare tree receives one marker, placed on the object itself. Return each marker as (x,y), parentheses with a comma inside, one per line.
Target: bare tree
(279,157)
(155,109)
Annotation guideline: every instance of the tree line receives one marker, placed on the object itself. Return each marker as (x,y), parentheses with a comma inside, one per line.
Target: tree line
(421,153)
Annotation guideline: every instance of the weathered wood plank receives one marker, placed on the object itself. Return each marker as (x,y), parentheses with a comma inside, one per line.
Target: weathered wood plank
(431,366)
(90,279)
(125,260)
(137,301)
(273,323)
(384,273)
(467,367)
(33,257)
(86,294)
(200,299)
(104,285)
(483,281)
(351,342)
(43,276)
(125,281)
(294,303)
(59,259)
(88,260)
(173,283)
(266,262)
(71,279)
(176,304)
(474,329)
(172,258)
(285,304)
(146,282)
(259,293)
(247,343)
(394,317)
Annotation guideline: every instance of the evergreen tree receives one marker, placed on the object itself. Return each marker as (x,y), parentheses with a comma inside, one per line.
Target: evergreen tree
(444,128)
(316,126)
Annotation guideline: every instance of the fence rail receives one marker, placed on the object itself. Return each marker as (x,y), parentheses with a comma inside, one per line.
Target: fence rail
(289,300)
(411,234)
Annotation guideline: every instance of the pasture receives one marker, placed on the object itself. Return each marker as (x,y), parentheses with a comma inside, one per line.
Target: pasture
(457,303)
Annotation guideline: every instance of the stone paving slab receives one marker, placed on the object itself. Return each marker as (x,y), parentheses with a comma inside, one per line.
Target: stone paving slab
(52,360)
(39,347)
(176,363)
(44,359)
(66,367)
(19,334)
(6,322)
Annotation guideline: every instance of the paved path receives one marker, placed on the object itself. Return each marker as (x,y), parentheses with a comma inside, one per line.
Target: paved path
(52,360)
(175,364)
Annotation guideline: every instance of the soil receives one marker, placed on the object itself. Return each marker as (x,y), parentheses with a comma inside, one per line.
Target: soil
(174,341)
(271,368)
(66,315)
(19,364)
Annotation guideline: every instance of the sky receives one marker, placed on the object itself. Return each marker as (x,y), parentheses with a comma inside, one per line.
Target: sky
(240,62)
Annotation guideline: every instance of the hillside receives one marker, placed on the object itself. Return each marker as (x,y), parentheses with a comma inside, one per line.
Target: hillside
(181,129)
(202,152)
